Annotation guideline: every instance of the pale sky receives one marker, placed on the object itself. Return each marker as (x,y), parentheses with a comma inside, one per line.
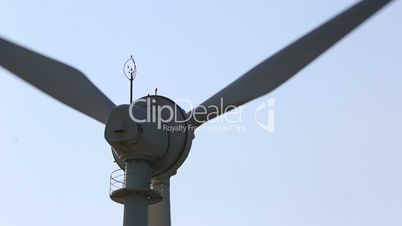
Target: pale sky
(334,158)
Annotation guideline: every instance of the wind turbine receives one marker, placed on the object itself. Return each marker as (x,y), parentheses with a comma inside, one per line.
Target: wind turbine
(148,154)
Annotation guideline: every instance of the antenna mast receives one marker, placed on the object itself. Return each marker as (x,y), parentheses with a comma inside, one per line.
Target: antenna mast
(130,71)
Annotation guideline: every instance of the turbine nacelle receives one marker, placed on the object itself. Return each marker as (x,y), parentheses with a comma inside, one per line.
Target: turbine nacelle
(144,130)
(133,140)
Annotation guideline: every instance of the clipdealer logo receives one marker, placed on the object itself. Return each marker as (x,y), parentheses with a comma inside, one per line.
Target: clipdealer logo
(163,115)
(268,122)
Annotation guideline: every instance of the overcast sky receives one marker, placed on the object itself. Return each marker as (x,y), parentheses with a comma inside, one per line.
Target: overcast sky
(334,158)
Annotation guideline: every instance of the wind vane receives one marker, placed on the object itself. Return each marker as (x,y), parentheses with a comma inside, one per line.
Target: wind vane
(130,71)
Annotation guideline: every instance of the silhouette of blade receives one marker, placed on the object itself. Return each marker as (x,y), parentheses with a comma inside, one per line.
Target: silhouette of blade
(62,82)
(277,69)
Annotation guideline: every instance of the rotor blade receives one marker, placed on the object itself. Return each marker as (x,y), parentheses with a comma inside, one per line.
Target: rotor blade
(277,69)
(159,213)
(62,82)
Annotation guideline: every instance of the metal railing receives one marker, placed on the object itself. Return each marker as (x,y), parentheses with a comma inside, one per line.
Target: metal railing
(117,180)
